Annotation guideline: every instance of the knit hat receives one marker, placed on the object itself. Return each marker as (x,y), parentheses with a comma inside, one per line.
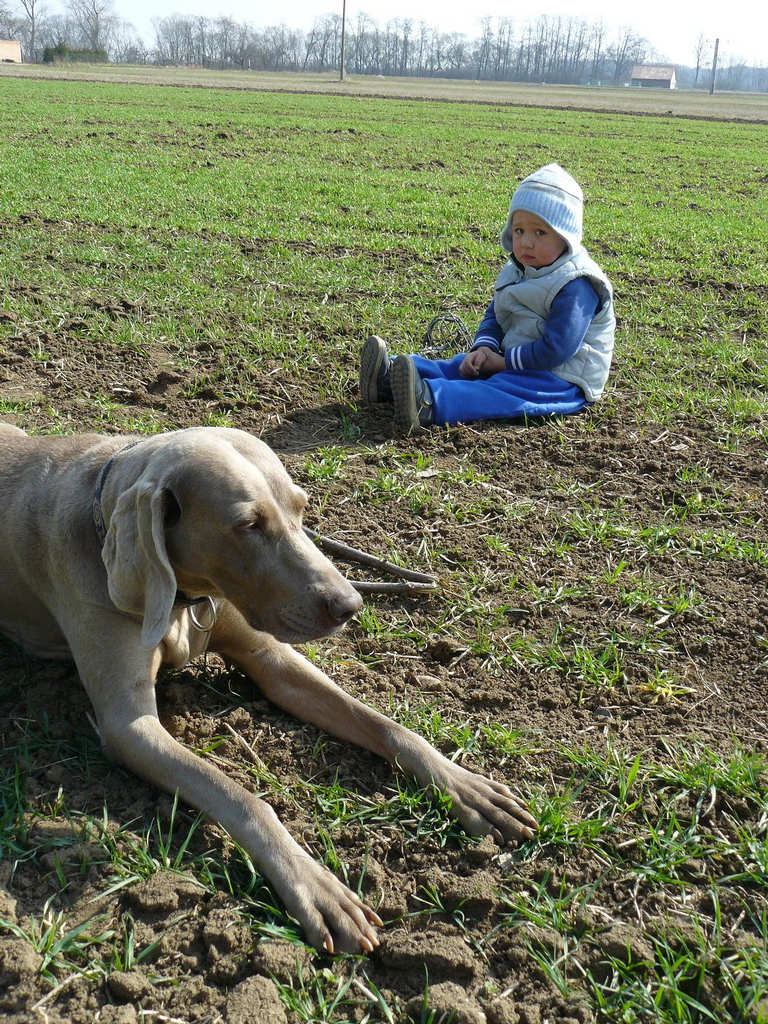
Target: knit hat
(552,194)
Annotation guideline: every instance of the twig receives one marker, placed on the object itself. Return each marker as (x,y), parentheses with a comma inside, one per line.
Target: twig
(53,993)
(249,751)
(355,555)
(415,581)
(406,587)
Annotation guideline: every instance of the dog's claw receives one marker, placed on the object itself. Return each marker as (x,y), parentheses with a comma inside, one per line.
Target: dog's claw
(335,919)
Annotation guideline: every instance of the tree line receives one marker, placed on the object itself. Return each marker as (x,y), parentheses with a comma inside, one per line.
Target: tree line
(553,49)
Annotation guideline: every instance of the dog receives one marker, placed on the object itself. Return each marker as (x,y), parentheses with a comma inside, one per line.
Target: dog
(128,553)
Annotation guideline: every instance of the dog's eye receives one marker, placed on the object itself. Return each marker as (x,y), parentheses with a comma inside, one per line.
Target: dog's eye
(252,521)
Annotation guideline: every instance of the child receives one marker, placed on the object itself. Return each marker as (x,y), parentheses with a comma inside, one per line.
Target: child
(545,343)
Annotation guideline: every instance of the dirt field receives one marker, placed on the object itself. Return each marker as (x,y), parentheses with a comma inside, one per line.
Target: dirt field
(722,106)
(205,962)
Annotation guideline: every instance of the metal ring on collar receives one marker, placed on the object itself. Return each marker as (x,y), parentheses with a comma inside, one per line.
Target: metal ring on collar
(196,621)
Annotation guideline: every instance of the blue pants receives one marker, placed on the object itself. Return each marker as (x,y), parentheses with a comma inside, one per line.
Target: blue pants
(502,396)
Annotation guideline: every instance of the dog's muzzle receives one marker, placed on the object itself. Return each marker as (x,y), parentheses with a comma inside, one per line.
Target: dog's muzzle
(318,614)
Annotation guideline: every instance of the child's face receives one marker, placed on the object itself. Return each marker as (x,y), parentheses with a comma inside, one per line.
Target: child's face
(534,243)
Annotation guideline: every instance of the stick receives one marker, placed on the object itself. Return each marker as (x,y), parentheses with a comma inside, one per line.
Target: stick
(406,587)
(416,581)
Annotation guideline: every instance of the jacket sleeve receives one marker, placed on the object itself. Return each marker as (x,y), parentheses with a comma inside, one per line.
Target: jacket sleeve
(570,315)
(489,333)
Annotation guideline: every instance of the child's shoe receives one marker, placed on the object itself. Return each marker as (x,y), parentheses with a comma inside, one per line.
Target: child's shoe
(412,396)
(375,364)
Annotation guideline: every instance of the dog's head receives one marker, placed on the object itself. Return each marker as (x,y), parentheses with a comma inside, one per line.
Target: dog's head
(212,511)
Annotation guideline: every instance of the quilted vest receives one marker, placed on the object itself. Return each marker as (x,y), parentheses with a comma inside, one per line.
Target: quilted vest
(522,301)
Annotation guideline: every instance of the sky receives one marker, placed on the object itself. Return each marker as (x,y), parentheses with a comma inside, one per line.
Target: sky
(671,26)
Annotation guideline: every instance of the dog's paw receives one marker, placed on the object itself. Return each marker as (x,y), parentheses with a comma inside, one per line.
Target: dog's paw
(482,806)
(332,916)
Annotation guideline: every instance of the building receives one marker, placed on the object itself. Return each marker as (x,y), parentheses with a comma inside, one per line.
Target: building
(10,51)
(653,76)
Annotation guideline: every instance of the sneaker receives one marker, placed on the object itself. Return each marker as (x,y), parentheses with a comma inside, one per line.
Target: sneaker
(412,396)
(375,364)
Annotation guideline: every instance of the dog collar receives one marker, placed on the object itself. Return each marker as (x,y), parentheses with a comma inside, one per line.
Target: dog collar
(98,512)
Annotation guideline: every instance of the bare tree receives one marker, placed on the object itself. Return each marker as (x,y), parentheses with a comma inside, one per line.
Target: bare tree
(95,21)
(202,32)
(578,57)
(310,42)
(6,19)
(546,48)
(539,49)
(629,49)
(503,47)
(240,45)
(329,28)
(556,48)
(406,27)
(484,48)
(598,38)
(421,51)
(126,46)
(54,30)
(178,39)
(457,52)
(702,48)
(33,11)
(225,38)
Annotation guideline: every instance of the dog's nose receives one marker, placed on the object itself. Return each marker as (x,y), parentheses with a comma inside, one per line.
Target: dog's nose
(342,606)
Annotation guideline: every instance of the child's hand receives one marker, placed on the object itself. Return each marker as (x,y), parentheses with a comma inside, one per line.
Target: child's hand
(481,362)
(472,363)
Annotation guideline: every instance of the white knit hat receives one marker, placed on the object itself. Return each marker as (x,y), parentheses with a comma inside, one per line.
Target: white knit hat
(552,194)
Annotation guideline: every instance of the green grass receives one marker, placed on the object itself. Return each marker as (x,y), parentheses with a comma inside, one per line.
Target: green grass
(652,826)
(197,239)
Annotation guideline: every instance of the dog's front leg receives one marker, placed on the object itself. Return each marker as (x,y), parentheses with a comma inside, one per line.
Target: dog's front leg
(483,807)
(120,683)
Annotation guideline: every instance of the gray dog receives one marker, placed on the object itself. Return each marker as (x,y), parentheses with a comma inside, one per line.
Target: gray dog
(126,554)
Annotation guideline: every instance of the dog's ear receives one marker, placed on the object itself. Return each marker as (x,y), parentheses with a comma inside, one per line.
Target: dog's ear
(139,575)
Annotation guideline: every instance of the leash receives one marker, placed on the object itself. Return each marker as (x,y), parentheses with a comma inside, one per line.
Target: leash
(446,334)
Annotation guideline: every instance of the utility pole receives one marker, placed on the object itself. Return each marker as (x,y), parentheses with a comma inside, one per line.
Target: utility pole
(714,67)
(343,26)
